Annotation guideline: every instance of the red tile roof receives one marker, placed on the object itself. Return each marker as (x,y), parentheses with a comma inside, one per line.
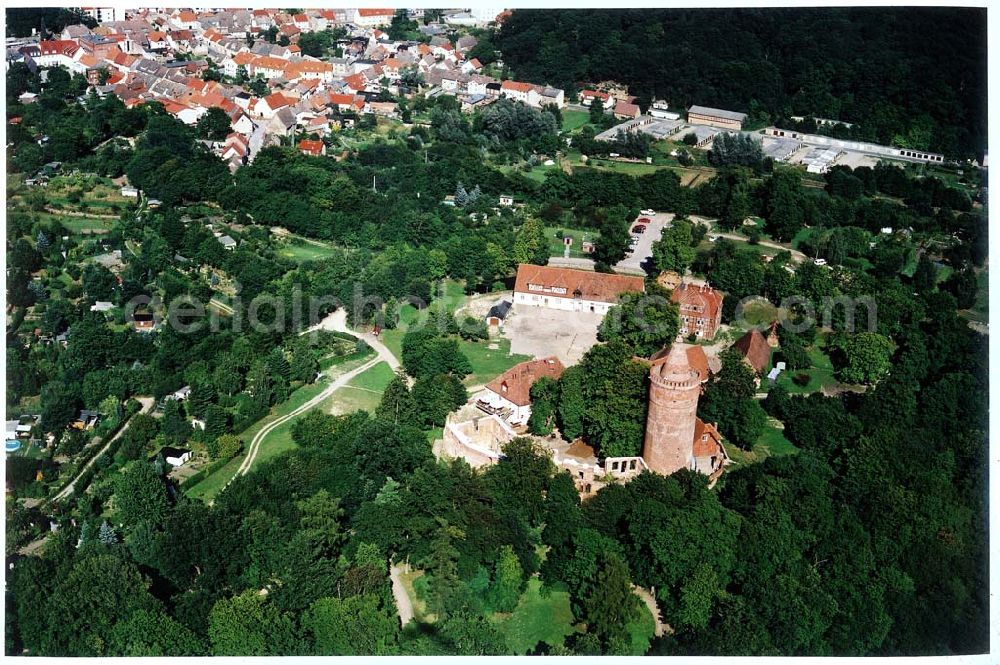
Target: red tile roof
(308,147)
(516,85)
(755,350)
(570,283)
(276,100)
(515,384)
(707,440)
(63,46)
(376,12)
(703,300)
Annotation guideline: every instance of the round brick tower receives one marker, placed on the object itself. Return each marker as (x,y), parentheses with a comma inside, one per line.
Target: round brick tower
(674,387)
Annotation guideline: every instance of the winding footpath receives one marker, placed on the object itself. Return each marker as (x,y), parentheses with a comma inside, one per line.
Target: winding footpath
(147,406)
(337,321)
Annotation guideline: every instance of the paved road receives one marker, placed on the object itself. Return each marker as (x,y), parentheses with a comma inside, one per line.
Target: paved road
(147,406)
(632,263)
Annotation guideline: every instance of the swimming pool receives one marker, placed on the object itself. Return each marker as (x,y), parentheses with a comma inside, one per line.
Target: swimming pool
(13,445)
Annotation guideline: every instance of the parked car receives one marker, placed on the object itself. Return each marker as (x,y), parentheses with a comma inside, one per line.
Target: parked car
(819,262)
(713,238)
(639,228)
(648,212)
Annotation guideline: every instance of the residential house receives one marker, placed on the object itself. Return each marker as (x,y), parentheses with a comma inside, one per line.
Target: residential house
(755,350)
(173,456)
(312,148)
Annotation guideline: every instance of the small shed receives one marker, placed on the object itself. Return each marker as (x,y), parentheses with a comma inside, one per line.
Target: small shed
(173,456)
(498,313)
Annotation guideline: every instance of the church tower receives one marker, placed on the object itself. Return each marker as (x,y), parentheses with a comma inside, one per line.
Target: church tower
(674,388)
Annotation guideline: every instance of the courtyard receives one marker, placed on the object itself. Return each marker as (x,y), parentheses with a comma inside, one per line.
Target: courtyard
(539,332)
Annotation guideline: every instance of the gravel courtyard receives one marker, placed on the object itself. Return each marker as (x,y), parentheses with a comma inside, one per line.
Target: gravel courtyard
(541,332)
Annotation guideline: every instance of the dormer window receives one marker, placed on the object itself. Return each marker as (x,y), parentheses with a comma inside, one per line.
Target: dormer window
(503,387)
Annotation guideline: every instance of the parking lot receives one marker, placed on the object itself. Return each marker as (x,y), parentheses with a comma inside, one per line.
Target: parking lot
(632,263)
(541,332)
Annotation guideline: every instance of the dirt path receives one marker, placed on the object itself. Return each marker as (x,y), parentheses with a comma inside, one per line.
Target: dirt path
(147,405)
(650,602)
(404,607)
(337,321)
(74,213)
(338,383)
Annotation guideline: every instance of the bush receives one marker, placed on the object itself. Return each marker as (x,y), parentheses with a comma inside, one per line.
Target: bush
(801,379)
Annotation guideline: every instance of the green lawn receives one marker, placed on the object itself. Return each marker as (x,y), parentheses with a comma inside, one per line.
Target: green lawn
(820,373)
(641,631)
(538,618)
(628,168)
(556,246)
(278,440)
(981,310)
(574,120)
(80,225)
(486,363)
(301,251)
(363,392)
(772,443)
(803,234)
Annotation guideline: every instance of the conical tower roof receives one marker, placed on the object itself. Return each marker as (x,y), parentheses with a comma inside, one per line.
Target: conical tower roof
(676,368)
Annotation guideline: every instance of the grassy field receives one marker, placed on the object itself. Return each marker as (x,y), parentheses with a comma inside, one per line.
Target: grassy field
(486,363)
(301,251)
(556,247)
(641,631)
(411,581)
(820,373)
(363,392)
(538,618)
(572,120)
(628,168)
(278,440)
(772,443)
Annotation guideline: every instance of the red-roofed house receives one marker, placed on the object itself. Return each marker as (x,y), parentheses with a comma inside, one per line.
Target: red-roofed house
(755,350)
(156,42)
(509,395)
(472,66)
(268,106)
(268,67)
(700,309)
(58,53)
(312,148)
(626,111)
(587,97)
(371,18)
(572,290)
(515,90)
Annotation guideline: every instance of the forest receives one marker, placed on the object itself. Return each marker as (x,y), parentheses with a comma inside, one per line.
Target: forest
(870,540)
(913,77)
